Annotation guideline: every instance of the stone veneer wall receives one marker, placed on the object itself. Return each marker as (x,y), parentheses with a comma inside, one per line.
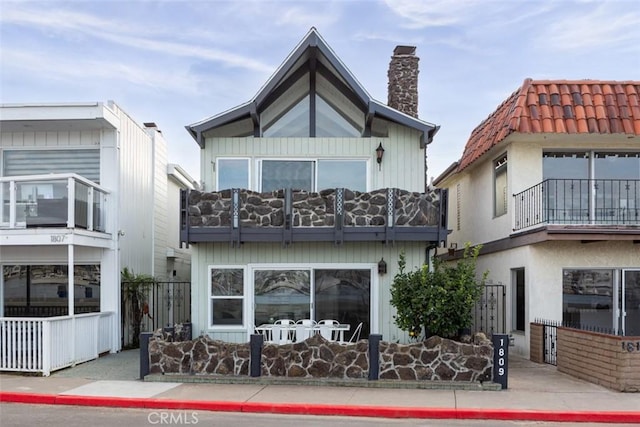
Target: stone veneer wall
(434,359)
(311,209)
(437,359)
(402,87)
(608,360)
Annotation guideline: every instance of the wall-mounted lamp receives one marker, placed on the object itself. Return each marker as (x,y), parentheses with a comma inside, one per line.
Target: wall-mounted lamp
(382,266)
(452,248)
(379,154)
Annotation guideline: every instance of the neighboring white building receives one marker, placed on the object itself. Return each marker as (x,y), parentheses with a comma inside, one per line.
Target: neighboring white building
(311,191)
(549,184)
(85,191)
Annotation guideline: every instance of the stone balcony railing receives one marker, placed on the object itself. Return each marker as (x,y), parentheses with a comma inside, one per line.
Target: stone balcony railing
(336,215)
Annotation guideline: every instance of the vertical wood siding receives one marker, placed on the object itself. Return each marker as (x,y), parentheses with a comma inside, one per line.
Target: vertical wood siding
(402,165)
(205,255)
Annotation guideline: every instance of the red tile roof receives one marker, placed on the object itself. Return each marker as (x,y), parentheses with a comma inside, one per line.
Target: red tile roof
(562,106)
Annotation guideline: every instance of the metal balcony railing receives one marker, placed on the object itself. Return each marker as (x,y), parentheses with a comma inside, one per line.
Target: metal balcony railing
(580,202)
(55,200)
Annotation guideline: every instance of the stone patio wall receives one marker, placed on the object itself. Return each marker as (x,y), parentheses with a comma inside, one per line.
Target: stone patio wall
(310,209)
(434,359)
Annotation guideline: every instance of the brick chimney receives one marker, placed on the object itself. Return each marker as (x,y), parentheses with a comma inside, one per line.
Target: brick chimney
(403,80)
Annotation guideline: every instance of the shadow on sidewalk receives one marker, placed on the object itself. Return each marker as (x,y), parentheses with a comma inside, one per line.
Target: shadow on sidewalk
(114,366)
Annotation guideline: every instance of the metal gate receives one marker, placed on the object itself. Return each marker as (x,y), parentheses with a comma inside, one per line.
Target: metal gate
(161,304)
(489,313)
(549,339)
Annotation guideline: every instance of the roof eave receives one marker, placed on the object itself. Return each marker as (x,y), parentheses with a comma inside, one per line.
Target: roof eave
(428,129)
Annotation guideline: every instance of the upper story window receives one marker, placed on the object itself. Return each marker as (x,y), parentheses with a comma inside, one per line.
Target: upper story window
(233,173)
(84,162)
(500,186)
(311,119)
(584,165)
(302,174)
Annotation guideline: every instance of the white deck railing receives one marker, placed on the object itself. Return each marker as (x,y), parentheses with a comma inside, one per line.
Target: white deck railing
(64,200)
(52,343)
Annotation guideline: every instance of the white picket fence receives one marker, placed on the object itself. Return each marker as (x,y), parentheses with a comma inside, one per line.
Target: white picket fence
(46,344)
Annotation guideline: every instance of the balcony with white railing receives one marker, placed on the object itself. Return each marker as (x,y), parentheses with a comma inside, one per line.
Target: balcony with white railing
(55,200)
(579,202)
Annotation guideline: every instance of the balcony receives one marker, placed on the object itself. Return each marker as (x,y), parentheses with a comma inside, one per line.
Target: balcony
(582,203)
(334,215)
(55,200)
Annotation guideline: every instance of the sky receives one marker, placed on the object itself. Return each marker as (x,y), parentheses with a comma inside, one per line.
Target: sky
(175,63)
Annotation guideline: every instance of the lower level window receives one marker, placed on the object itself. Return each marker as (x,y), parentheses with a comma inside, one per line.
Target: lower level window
(43,290)
(587,297)
(226,296)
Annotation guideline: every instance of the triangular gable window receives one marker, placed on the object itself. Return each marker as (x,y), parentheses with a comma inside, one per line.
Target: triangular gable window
(295,122)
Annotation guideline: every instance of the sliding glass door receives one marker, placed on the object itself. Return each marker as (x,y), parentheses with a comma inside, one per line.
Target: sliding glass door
(630,303)
(342,294)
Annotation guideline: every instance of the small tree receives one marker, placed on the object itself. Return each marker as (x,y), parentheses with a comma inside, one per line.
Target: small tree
(134,294)
(438,301)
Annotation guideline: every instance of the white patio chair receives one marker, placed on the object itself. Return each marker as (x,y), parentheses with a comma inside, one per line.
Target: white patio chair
(280,335)
(304,329)
(356,334)
(326,328)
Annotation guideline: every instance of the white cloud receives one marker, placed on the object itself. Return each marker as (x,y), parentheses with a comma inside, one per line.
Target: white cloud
(78,70)
(435,13)
(601,26)
(71,24)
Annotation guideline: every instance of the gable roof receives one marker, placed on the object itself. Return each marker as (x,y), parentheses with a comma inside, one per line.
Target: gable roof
(559,107)
(312,47)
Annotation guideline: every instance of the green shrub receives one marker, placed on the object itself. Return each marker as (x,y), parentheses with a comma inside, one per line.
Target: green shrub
(439,301)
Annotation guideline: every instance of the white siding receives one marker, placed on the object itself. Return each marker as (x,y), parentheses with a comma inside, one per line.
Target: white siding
(160,205)
(402,165)
(204,255)
(136,196)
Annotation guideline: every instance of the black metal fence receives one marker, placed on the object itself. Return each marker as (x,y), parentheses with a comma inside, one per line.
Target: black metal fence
(161,304)
(579,201)
(489,313)
(550,333)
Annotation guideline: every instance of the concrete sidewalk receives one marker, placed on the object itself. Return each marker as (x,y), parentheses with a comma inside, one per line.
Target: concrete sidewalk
(535,393)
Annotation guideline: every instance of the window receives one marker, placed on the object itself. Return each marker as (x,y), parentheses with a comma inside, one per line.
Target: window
(587,296)
(282,294)
(303,174)
(583,187)
(296,174)
(500,186)
(458,205)
(43,290)
(295,122)
(226,289)
(232,173)
(330,123)
(84,162)
(342,294)
(351,174)
(518,300)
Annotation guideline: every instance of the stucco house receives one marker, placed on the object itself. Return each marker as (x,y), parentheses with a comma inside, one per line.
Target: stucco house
(549,184)
(72,180)
(312,189)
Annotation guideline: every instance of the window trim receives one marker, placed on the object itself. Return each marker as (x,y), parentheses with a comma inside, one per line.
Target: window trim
(374,297)
(315,160)
(500,166)
(217,169)
(245,307)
